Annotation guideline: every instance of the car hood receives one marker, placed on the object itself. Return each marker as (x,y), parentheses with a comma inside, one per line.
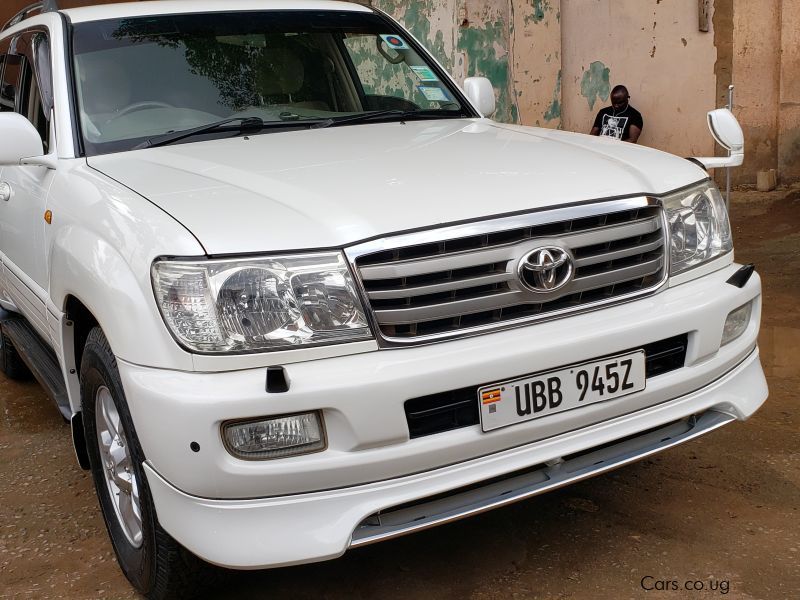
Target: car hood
(326,188)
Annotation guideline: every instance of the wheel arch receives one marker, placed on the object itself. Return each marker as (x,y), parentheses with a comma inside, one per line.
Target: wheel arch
(92,284)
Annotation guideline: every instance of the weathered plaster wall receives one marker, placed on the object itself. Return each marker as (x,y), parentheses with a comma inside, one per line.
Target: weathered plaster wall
(517,45)
(535,41)
(789,110)
(756,75)
(553,63)
(451,27)
(655,48)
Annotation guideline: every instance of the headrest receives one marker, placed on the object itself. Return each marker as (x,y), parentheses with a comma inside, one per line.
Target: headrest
(279,72)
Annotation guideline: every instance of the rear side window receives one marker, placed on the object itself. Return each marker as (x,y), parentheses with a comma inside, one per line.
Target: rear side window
(10,78)
(31,96)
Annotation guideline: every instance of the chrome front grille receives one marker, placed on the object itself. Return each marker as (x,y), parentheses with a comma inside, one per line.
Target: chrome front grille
(463,279)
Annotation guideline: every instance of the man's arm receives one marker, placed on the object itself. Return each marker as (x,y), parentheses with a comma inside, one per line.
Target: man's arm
(635,129)
(598,120)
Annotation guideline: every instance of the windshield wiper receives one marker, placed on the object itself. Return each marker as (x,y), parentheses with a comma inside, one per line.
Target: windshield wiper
(246,125)
(255,124)
(392,112)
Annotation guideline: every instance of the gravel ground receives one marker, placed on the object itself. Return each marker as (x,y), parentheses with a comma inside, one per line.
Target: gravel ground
(721,512)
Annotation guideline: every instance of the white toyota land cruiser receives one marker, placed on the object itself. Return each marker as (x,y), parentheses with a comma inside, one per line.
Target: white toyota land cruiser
(296,293)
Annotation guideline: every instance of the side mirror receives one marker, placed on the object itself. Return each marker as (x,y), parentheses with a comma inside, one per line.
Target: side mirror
(480,92)
(18,139)
(728,133)
(726,130)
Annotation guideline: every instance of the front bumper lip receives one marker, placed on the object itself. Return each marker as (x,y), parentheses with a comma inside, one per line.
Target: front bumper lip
(286,530)
(551,476)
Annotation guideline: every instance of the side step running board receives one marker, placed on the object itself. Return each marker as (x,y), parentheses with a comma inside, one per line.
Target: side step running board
(464,502)
(39,358)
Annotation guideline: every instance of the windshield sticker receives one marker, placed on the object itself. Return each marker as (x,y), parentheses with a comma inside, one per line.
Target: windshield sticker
(424,73)
(433,94)
(394,42)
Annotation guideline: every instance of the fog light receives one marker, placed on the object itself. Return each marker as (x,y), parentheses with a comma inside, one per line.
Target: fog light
(736,323)
(276,437)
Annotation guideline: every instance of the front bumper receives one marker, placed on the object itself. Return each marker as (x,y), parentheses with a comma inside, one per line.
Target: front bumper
(282,531)
(313,503)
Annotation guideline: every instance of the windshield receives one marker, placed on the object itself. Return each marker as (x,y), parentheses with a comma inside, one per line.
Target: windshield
(144,77)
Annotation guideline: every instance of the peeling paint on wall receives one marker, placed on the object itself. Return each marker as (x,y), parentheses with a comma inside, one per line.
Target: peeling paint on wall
(516,45)
(467,43)
(432,23)
(486,57)
(620,34)
(554,111)
(540,7)
(535,47)
(525,60)
(595,83)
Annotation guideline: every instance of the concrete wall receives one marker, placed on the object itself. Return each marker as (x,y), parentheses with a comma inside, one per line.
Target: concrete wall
(515,44)
(655,48)
(765,65)
(789,111)
(553,63)
(756,74)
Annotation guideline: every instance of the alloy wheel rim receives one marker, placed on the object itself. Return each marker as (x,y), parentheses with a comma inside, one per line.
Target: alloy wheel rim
(123,488)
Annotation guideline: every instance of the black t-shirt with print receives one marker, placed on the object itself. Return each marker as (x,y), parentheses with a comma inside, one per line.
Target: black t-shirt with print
(617,123)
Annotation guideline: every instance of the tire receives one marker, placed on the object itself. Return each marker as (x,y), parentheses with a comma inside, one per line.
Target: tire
(10,361)
(155,564)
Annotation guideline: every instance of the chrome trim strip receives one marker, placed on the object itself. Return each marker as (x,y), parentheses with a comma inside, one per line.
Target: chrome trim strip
(435,288)
(556,475)
(454,308)
(445,262)
(541,217)
(589,282)
(501,253)
(616,254)
(621,232)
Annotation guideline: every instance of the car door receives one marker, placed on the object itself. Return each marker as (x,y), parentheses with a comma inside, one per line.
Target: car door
(22,212)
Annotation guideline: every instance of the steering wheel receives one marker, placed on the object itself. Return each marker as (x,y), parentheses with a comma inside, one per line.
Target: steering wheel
(141,106)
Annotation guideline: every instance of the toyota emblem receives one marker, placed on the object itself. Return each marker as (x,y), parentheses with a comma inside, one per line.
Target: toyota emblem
(546,269)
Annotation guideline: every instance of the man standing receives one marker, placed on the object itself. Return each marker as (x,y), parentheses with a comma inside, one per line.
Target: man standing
(620,120)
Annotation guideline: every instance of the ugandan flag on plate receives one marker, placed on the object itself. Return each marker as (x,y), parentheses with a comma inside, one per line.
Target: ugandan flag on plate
(490,396)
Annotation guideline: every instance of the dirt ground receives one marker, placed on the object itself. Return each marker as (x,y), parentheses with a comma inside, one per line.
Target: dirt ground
(721,513)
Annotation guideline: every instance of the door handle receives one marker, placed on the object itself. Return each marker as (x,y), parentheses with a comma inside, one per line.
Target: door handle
(5,191)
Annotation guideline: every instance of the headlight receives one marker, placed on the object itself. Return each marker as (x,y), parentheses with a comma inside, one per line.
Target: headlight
(270,303)
(699,227)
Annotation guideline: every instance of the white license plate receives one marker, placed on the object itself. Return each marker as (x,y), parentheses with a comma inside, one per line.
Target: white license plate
(551,392)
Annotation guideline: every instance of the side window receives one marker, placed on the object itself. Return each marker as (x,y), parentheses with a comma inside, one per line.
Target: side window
(31,102)
(10,67)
